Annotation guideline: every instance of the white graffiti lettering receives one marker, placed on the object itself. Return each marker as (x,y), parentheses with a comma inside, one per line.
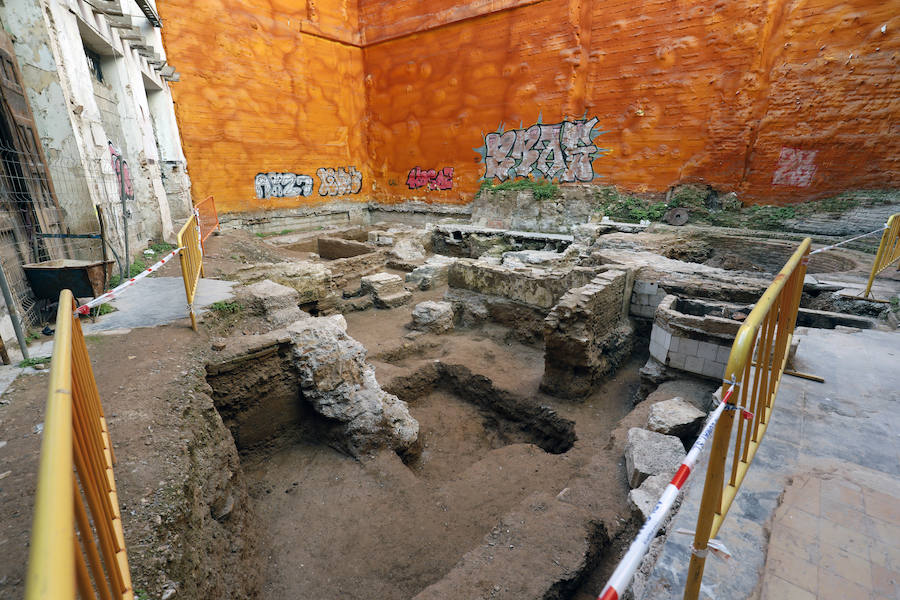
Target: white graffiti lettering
(282,185)
(339,182)
(562,151)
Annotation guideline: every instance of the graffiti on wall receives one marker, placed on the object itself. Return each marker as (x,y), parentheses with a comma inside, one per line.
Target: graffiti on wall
(332,182)
(123,173)
(339,182)
(430,179)
(562,151)
(795,167)
(282,185)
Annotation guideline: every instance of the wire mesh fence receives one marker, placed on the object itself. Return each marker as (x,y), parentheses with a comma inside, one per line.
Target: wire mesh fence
(42,206)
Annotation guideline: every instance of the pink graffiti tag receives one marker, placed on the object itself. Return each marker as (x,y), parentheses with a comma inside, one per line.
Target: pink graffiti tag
(434,180)
(795,167)
(123,174)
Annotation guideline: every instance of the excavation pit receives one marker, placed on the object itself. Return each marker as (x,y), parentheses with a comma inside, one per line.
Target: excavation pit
(405,518)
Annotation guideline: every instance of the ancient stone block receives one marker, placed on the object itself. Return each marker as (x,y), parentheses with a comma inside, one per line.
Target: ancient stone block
(586,336)
(311,280)
(649,453)
(537,287)
(432,274)
(436,317)
(407,250)
(675,416)
(340,385)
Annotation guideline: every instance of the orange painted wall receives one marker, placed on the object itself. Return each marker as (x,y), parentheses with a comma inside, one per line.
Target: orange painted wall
(686,90)
(264,89)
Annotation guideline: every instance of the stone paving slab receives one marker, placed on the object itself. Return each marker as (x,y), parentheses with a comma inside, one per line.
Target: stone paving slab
(157,301)
(843,435)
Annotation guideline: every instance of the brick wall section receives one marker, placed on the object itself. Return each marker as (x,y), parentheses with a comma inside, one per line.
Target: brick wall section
(587,335)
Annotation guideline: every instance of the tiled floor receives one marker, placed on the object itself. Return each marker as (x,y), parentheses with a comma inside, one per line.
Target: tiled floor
(836,536)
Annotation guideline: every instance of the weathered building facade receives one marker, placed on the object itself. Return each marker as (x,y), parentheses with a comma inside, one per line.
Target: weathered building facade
(90,83)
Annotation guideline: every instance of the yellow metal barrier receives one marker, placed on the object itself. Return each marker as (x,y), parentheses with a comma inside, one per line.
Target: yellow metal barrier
(755,365)
(191,261)
(208,217)
(888,251)
(95,562)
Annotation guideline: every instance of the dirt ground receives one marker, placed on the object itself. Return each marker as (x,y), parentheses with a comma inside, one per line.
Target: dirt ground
(328,526)
(137,375)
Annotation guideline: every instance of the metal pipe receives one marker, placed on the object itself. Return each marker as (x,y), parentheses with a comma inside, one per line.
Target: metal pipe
(13,313)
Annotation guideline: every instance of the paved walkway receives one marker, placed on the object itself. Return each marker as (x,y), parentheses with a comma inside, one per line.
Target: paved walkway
(825,486)
(154,301)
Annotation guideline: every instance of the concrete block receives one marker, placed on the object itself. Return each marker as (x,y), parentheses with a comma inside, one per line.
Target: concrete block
(688,347)
(712,368)
(707,350)
(676,360)
(675,344)
(694,364)
(722,354)
(646,287)
(657,351)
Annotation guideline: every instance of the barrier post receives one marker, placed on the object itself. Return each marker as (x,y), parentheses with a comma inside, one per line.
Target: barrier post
(191,261)
(75,432)
(51,560)
(767,330)
(888,251)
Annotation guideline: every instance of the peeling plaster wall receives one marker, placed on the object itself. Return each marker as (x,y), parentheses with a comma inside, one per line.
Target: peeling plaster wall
(76,122)
(779,101)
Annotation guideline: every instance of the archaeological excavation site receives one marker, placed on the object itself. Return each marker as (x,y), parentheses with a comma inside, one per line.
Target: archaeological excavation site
(532,299)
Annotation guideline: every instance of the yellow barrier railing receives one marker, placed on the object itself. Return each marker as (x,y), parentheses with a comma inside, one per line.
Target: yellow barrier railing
(95,562)
(755,366)
(191,261)
(888,251)
(208,217)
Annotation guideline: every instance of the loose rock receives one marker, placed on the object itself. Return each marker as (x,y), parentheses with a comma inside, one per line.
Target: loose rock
(643,499)
(436,317)
(675,417)
(649,453)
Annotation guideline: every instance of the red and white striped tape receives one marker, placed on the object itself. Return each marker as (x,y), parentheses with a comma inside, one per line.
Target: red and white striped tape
(117,291)
(621,577)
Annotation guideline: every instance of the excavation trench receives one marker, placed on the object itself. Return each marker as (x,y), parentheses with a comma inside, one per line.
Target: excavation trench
(386,526)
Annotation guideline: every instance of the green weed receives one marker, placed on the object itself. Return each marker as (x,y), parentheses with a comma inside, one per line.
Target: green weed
(542,190)
(161,248)
(34,360)
(224,307)
(103,309)
(135,269)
